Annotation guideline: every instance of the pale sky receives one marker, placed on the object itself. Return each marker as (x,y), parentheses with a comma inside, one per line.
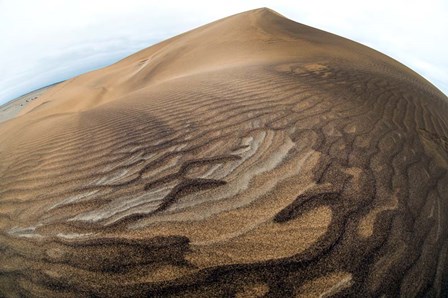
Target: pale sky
(46,41)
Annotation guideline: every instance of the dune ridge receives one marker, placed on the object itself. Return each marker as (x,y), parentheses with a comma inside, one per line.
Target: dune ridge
(251,156)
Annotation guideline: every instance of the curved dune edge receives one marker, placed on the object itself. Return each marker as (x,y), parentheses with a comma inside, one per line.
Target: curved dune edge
(251,156)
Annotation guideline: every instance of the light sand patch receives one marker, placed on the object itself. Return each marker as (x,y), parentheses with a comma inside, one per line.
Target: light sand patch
(269,240)
(72,236)
(172,165)
(112,177)
(28,232)
(302,68)
(125,206)
(315,67)
(326,286)
(351,128)
(253,290)
(365,228)
(330,130)
(85,195)
(164,273)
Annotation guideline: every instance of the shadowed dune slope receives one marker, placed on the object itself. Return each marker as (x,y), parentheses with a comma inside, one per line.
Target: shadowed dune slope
(251,156)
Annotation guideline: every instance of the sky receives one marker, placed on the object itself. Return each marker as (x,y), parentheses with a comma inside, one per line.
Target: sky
(47,41)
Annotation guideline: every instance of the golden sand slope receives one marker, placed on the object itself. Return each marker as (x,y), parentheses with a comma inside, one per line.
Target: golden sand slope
(12,108)
(251,156)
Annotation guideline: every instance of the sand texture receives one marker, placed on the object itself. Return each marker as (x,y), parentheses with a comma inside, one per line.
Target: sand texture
(250,157)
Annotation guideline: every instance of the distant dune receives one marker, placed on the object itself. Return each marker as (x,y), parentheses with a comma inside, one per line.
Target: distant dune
(252,156)
(12,108)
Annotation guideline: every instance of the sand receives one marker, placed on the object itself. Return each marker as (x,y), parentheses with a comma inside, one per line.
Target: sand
(12,108)
(251,156)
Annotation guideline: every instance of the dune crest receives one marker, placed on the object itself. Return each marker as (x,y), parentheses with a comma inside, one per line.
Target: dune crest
(250,156)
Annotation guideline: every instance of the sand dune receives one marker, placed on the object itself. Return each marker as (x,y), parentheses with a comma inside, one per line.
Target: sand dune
(12,108)
(251,156)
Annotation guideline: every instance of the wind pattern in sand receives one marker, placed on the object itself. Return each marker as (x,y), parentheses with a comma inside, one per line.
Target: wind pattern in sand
(252,156)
